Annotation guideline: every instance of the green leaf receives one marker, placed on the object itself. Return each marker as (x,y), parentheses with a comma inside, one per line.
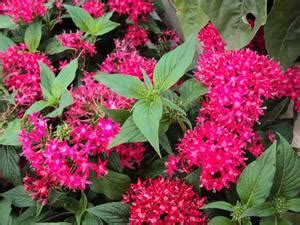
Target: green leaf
(65,101)
(190,90)
(219,205)
(81,209)
(64,78)
(275,221)
(230,19)
(5,210)
(37,107)
(172,66)
(165,143)
(287,177)
(113,185)
(89,219)
(82,19)
(68,203)
(125,85)
(282,33)
(112,213)
(218,220)
(171,105)
(33,35)
(18,196)
(103,25)
(129,133)
(5,42)
(261,210)
(293,204)
(156,169)
(255,182)
(10,136)
(147,116)
(47,77)
(9,164)
(117,115)
(54,223)
(6,22)
(147,80)
(191,16)
(55,47)
(194,179)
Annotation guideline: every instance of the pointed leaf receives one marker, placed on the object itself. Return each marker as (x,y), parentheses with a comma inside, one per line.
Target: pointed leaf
(37,107)
(5,42)
(18,196)
(129,133)
(47,76)
(287,176)
(6,22)
(172,66)
(10,136)
(171,105)
(82,19)
(112,213)
(293,204)
(260,210)
(103,25)
(64,78)
(5,210)
(82,207)
(218,220)
(255,182)
(117,115)
(33,35)
(282,33)
(219,205)
(230,19)
(125,85)
(147,116)
(65,101)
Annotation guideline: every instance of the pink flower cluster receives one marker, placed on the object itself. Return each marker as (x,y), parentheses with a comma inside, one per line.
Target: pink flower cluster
(127,60)
(238,81)
(170,36)
(136,35)
(22,74)
(58,162)
(76,41)
(95,8)
(135,9)
(23,10)
(164,201)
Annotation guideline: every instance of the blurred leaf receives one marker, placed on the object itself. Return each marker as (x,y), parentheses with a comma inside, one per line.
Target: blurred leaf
(6,22)
(18,196)
(37,107)
(157,168)
(82,19)
(9,164)
(293,204)
(47,77)
(255,182)
(81,209)
(55,47)
(282,33)
(5,42)
(230,19)
(112,213)
(65,101)
(191,16)
(113,185)
(5,210)
(218,220)
(89,219)
(33,35)
(117,115)
(219,205)
(261,210)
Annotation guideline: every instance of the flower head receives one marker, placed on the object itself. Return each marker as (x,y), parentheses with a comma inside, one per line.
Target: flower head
(95,8)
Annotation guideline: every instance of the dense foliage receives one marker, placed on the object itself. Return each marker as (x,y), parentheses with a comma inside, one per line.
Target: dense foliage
(149,112)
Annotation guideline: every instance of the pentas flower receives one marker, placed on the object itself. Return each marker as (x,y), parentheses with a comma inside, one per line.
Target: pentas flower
(95,8)
(23,10)
(238,81)
(127,60)
(135,9)
(171,37)
(136,35)
(76,41)
(164,201)
(131,154)
(21,73)
(56,161)
(211,39)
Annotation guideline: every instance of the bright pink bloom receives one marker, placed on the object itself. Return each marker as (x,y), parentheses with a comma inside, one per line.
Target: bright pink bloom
(171,37)
(164,201)
(238,80)
(135,9)
(76,41)
(23,10)
(136,35)
(22,73)
(128,61)
(95,8)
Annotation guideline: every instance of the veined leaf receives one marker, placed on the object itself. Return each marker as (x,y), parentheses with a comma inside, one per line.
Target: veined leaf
(83,203)
(255,182)
(117,115)
(230,19)
(33,35)
(282,33)
(293,204)
(287,177)
(10,136)
(147,115)
(18,196)
(172,66)
(5,210)
(103,25)
(218,220)
(64,78)
(9,164)
(219,205)
(260,210)
(47,77)
(65,101)
(5,42)
(125,85)
(37,107)
(112,213)
(82,19)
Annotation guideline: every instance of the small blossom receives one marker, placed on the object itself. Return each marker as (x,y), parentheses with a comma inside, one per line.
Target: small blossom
(95,8)
(136,35)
